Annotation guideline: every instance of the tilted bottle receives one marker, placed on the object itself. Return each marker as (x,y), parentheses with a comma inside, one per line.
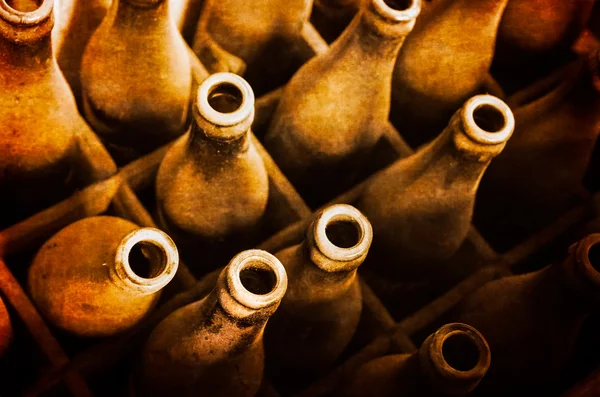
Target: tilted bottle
(320,312)
(101,275)
(82,19)
(531,321)
(421,207)
(40,123)
(212,187)
(451,362)
(214,347)
(332,111)
(5,329)
(539,175)
(260,33)
(535,36)
(136,78)
(442,63)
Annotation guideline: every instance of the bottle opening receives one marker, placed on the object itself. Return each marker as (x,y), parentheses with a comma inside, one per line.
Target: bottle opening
(343,233)
(594,256)
(258,280)
(147,260)
(489,118)
(460,352)
(24,5)
(225,98)
(399,5)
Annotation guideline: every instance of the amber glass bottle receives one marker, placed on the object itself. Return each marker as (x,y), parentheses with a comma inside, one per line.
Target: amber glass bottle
(215,346)
(136,78)
(101,275)
(260,34)
(321,309)
(443,62)
(421,206)
(331,113)
(539,175)
(5,329)
(451,362)
(531,321)
(212,187)
(40,123)
(83,18)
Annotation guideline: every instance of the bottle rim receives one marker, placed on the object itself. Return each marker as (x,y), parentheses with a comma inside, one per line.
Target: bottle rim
(387,12)
(493,106)
(583,254)
(26,18)
(258,260)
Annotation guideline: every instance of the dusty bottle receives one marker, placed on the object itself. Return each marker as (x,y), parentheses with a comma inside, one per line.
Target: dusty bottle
(535,36)
(539,175)
(331,112)
(5,329)
(101,275)
(258,33)
(136,78)
(531,321)
(321,309)
(442,63)
(451,362)
(212,187)
(82,19)
(40,123)
(215,346)
(421,206)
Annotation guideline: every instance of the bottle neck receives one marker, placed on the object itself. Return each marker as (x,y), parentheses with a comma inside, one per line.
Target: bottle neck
(200,145)
(310,271)
(26,57)
(140,15)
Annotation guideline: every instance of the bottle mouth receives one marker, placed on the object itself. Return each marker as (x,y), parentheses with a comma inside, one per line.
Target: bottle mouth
(341,234)
(144,3)
(225,100)
(256,279)
(146,260)
(588,257)
(397,10)
(458,351)
(487,120)
(26,13)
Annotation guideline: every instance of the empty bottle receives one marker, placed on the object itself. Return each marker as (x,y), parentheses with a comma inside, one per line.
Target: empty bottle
(421,207)
(260,34)
(531,321)
(136,78)
(332,111)
(40,123)
(5,329)
(539,175)
(215,346)
(320,312)
(451,362)
(100,276)
(443,63)
(212,187)
(83,18)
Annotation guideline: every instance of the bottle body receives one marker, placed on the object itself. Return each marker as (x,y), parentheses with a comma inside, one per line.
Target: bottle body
(212,190)
(5,329)
(215,345)
(421,206)
(136,78)
(321,310)
(72,281)
(331,112)
(459,35)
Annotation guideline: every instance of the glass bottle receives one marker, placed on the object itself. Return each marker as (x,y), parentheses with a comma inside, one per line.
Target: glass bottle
(443,63)
(531,320)
(101,275)
(451,362)
(136,78)
(212,187)
(214,347)
(421,206)
(40,123)
(331,113)
(320,312)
